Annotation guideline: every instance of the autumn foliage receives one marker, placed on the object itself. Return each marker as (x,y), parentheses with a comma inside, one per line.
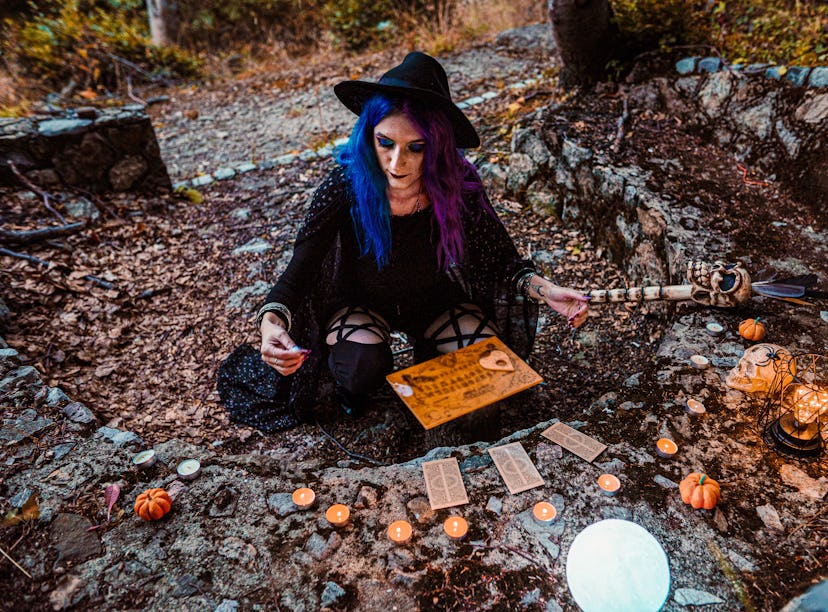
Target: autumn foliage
(103,46)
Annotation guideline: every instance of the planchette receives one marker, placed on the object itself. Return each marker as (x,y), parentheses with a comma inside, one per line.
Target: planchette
(497,361)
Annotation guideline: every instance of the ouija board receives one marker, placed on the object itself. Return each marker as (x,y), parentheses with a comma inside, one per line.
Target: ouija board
(446,387)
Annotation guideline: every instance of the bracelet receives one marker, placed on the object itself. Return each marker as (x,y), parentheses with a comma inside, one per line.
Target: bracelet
(522,283)
(279,309)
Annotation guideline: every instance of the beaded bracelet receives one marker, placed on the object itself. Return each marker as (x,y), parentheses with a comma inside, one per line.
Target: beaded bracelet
(279,309)
(522,283)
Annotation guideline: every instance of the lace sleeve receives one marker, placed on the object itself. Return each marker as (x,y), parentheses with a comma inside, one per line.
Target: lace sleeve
(326,214)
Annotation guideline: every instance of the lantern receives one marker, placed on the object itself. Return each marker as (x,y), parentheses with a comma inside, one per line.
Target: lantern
(795,414)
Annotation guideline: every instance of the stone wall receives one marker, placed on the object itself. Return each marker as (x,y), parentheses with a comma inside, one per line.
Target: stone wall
(97,149)
(774,127)
(643,230)
(778,125)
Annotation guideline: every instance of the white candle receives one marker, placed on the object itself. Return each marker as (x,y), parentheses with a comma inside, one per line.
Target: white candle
(695,407)
(189,469)
(714,329)
(700,362)
(144,459)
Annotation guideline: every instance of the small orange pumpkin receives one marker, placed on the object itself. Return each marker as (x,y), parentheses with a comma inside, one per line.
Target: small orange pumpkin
(752,329)
(700,491)
(152,504)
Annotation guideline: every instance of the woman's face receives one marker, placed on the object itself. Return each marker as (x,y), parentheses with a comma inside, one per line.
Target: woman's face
(400,151)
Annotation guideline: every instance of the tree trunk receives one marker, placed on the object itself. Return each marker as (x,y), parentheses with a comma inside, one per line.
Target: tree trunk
(583,36)
(163,21)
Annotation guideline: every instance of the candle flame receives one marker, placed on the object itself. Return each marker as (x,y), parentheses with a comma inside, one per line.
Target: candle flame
(808,404)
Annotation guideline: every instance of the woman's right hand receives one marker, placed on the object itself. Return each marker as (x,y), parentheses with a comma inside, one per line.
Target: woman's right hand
(279,351)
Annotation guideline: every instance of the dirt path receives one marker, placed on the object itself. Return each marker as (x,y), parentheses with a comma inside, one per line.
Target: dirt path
(272,113)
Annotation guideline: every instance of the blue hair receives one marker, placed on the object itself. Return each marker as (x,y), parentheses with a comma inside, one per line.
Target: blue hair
(372,213)
(446,175)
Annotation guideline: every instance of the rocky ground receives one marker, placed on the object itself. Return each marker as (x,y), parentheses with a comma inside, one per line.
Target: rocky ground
(142,357)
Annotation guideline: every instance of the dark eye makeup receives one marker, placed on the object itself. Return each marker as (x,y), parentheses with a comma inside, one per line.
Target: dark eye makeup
(387,143)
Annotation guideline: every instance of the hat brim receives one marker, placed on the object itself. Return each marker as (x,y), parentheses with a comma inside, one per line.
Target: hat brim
(354,95)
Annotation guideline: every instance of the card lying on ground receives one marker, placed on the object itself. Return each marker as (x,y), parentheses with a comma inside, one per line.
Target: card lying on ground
(441,389)
(444,483)
(514,465)
(574,441)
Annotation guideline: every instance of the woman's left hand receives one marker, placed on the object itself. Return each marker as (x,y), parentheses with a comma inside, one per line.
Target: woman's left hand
(572,304)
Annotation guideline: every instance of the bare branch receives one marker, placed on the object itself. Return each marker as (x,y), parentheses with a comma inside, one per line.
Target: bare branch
(46,196)
(5,554)
(46,264)
(39,234)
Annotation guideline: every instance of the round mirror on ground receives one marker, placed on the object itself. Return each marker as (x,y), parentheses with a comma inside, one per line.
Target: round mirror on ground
(617,565)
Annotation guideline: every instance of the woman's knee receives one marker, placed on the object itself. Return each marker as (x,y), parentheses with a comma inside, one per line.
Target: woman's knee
(360,368)
(458,327)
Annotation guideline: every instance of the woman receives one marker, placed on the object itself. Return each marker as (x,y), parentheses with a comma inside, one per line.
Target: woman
(400,236)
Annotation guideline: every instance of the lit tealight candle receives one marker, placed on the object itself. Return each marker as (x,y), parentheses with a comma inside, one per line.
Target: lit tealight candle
(666,448)
(456,527)
(144,459)
(695,407)
(544,513)
(399,532)
(188,469)
(700,362)
(303,498)
(610,485)
(714,329)
(338,515)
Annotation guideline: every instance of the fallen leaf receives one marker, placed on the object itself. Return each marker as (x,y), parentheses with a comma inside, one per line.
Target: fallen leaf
(104,370)
(28,512)
(111,496)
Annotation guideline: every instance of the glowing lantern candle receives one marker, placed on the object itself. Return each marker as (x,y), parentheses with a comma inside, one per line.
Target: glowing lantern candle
(399,532)
(610,485)
(666,448)
(303,498)
(456,527)
(808,404)
(338,515)
(544,513)
(695,407)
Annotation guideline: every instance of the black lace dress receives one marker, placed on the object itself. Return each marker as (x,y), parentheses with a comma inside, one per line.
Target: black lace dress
(326,273)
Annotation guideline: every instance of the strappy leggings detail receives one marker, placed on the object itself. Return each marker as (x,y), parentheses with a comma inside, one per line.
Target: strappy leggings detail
(357,324)
(360,353)
(458,327)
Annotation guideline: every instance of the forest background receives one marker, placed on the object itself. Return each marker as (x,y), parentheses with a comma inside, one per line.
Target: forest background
(97,51)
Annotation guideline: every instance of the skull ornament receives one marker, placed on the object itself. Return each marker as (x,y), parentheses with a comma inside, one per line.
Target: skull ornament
(718,284)
(758,368)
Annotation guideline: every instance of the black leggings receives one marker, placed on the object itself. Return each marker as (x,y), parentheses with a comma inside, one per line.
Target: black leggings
(360,353)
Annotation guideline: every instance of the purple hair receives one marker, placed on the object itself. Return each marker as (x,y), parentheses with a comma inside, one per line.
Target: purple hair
(447,175)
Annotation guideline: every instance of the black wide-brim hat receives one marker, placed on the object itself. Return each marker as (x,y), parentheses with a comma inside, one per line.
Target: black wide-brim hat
(420,77)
